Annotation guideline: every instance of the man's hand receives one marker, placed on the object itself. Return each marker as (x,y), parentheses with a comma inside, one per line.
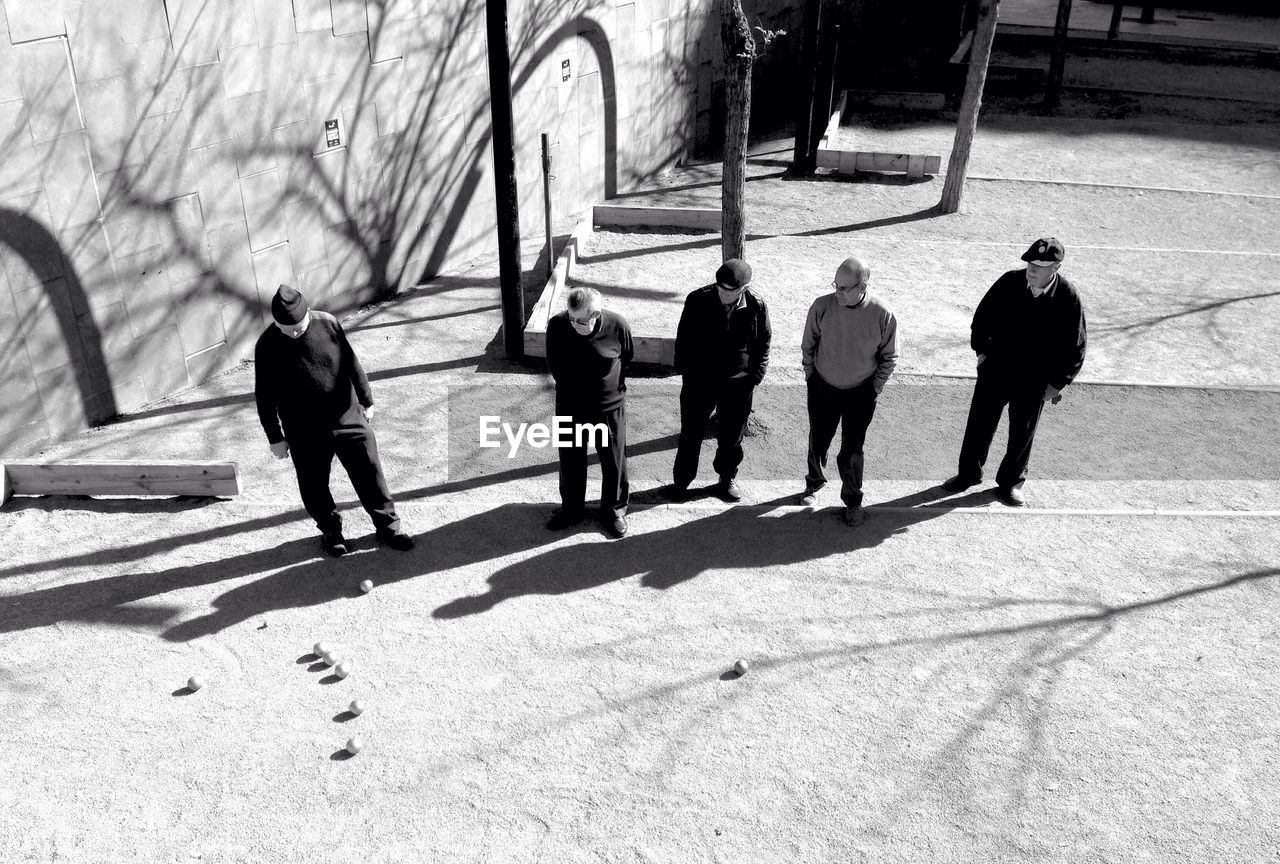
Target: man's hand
(1052,394)
(369,411)
(280,449)
(981,359)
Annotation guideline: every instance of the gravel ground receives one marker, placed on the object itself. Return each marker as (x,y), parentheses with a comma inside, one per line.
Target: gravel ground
(1010,689)
(951,682)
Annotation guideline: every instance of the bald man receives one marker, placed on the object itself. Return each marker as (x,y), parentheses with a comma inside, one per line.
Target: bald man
(849,349)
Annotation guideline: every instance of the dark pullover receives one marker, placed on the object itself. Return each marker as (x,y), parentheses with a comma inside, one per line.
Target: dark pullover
(310,384)
(590,371)
(1040,340)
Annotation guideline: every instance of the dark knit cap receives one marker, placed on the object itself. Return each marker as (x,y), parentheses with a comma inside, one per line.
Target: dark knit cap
(288,306)
(734,273)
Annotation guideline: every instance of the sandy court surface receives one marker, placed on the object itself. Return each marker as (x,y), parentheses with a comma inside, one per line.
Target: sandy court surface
(925,687)
(951,682)
(1168,317)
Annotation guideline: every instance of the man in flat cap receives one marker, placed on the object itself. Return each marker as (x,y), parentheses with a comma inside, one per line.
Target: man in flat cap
(314,402)
(722,349)
(588,351)
(849,350)
(1029,335)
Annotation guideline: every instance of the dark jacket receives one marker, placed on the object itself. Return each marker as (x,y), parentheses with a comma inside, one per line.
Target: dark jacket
(711,345)
(1035,340)
(590,371)
(311,384)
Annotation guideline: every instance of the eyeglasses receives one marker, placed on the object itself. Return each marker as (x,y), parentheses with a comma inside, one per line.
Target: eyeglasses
(863,284)
(591,316)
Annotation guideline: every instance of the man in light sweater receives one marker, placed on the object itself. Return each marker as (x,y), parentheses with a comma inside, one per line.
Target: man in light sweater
(849,349)
(314,402)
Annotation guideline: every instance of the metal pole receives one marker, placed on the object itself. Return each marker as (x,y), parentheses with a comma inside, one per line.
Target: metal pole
(546,199)
(506,193)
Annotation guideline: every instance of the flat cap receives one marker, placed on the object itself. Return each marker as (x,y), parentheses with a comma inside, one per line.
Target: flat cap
(1046,250)
(734,273)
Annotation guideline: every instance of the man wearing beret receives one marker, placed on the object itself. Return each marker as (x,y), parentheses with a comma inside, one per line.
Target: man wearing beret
(314,402)
(849,350)
(1029,335)
(722,349)
(589,349)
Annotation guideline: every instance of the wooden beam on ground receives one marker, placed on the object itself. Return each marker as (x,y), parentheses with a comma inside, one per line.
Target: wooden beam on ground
(849,161)
(615,216)
(221,479)
(652,349)
(551,300)
(833,123)
(897,99)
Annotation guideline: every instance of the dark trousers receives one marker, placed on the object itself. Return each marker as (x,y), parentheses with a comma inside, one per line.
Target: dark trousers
(357,450)
(614,491)
(991,394)
(852,411)
(731,399)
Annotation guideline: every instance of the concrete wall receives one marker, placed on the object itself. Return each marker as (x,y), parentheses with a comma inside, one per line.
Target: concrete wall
(166,165)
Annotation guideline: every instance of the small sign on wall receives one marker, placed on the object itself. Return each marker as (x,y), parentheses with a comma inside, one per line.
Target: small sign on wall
(333,136)
(564,70)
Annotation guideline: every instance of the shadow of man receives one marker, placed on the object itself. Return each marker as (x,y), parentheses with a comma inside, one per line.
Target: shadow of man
(738,538)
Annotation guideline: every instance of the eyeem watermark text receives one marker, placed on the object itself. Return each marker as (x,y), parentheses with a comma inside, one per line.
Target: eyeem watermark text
(562,432)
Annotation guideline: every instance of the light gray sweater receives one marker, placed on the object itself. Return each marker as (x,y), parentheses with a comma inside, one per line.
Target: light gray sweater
(848,345)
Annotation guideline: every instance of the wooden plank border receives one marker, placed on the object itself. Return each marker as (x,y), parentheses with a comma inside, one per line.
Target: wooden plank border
(616,216)
(76,477)
(552,297)
(849,161)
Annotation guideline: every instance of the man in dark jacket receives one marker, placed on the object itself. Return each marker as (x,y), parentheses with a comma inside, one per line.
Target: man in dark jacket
(314,402)
(588,351)
(1029,335)
(722,348)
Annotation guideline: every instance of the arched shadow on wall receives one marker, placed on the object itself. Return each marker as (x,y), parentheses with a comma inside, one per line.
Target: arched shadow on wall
(591,31)
(36,247)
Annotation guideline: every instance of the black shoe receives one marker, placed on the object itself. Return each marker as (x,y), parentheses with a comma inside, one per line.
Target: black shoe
(729,490)
(854,515)
(678,493)
(809,497)
(959,483)
(397,540)
(335,544)
(615,527)
(1011,496)
(562,519)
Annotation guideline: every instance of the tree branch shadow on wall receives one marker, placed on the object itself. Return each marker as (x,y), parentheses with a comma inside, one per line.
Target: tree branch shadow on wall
(391,209)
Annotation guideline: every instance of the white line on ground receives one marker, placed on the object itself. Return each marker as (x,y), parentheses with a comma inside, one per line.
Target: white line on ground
(1124,186)
(986,510)
(934,241)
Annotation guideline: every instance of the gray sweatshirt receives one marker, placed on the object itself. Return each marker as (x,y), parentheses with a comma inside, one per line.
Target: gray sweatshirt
(848,345)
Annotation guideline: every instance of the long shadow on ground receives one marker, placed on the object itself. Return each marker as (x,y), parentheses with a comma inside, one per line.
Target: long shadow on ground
(295,575)
(740,537)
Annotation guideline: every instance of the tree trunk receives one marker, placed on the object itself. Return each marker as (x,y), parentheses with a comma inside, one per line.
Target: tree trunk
(740,56)
(1058,55)
(807,98)
(967,123)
